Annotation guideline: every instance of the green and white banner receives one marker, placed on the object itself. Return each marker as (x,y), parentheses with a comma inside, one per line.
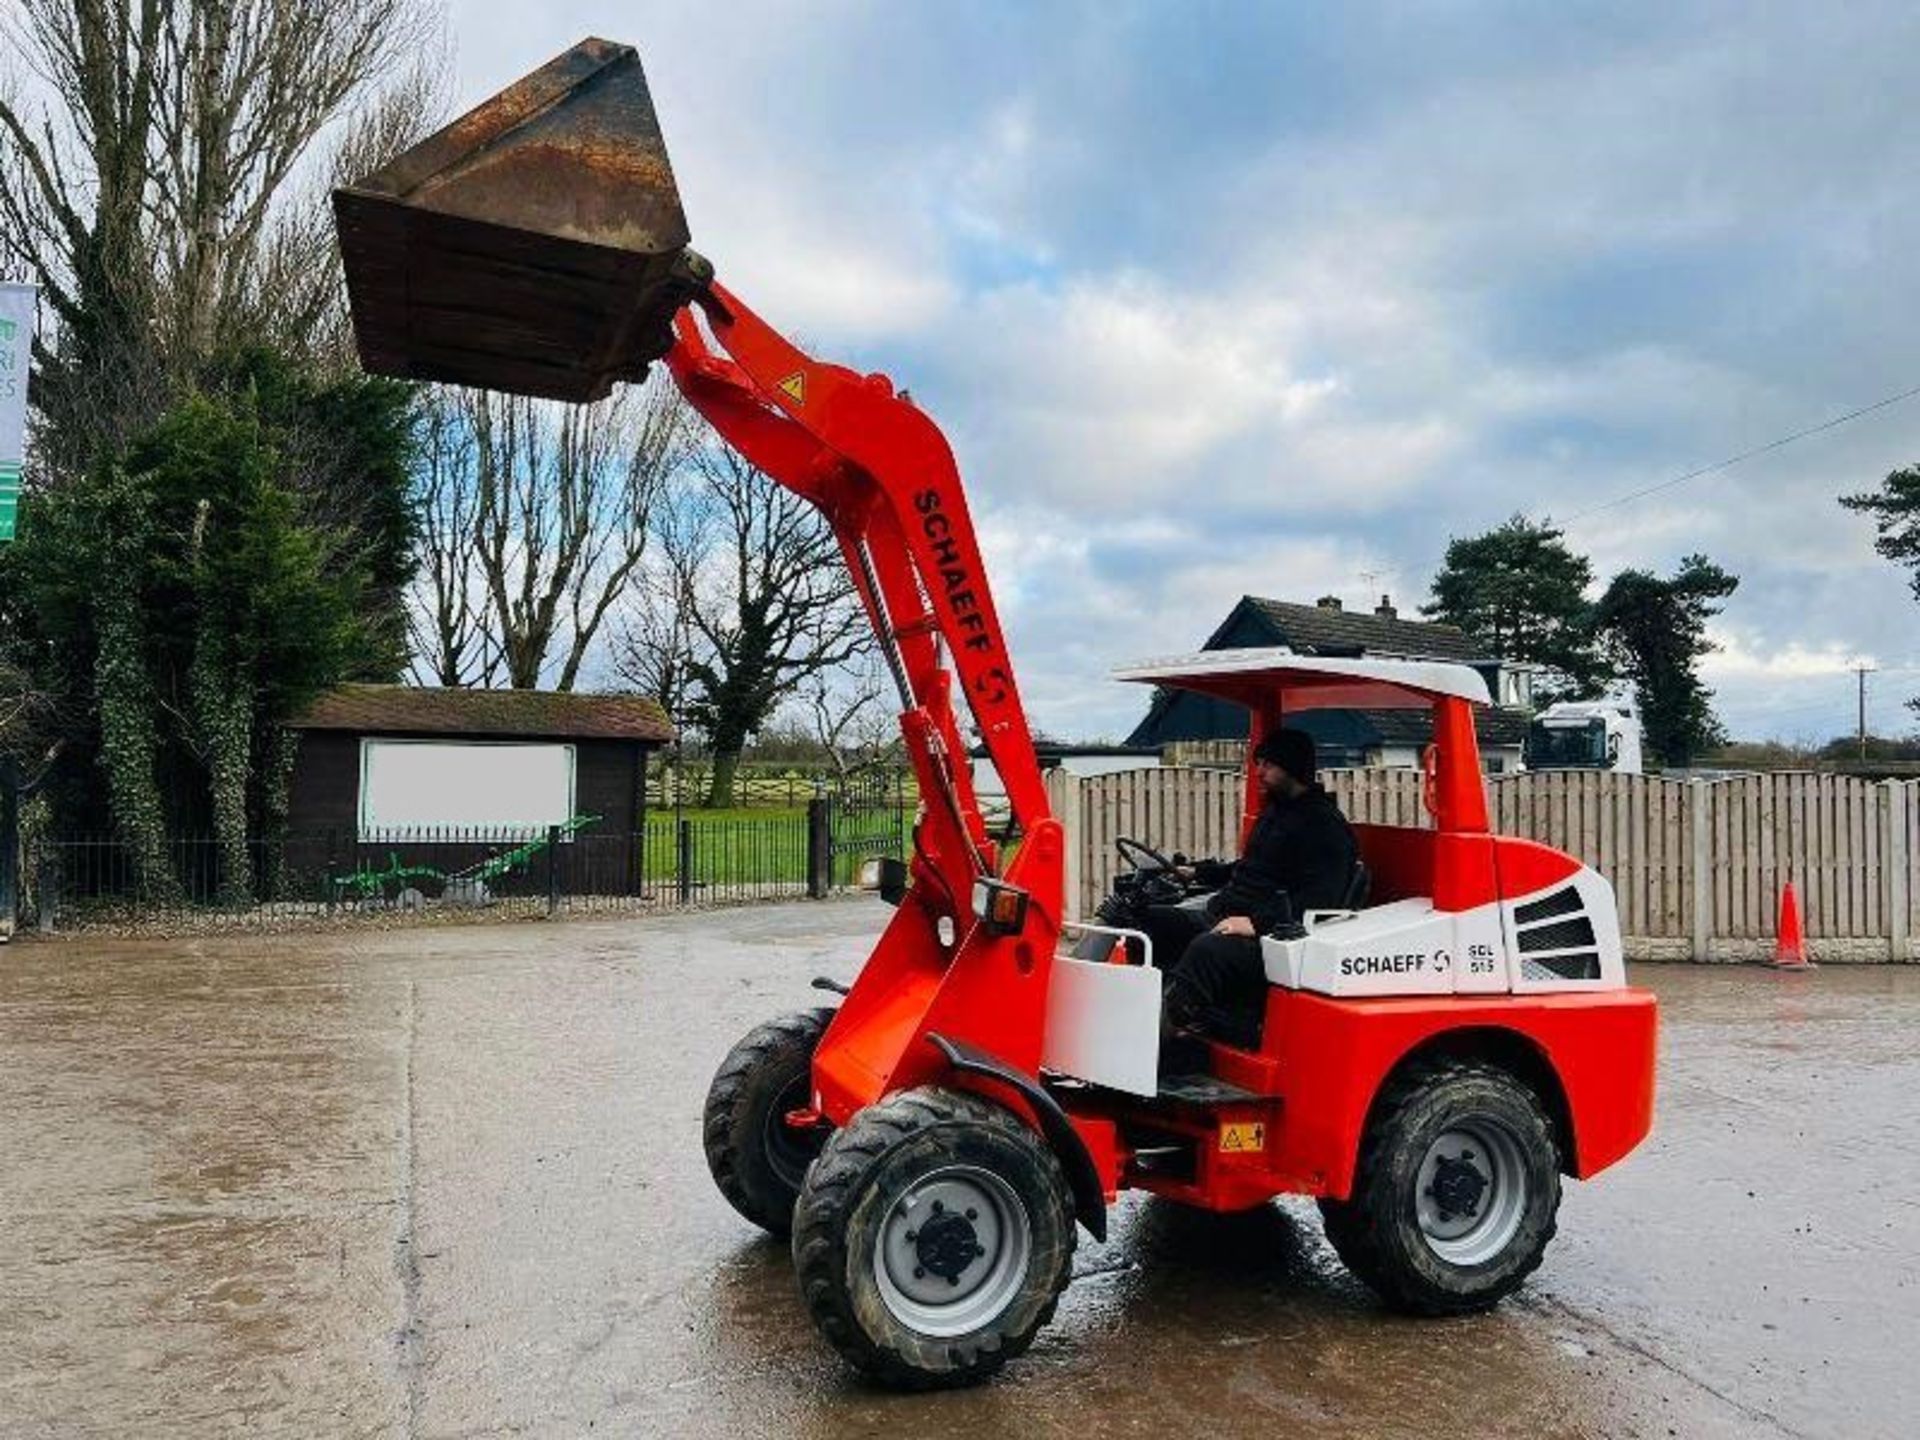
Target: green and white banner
(16,353)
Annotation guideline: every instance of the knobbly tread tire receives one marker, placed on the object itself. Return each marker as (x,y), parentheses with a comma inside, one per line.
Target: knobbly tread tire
(1374,1231)
(751,1077)
(842,1200)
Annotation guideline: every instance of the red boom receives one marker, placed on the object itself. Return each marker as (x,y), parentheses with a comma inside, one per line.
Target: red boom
(884,477)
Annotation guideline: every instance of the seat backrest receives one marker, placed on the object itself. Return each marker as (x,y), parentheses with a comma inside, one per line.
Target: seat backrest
(1399,861)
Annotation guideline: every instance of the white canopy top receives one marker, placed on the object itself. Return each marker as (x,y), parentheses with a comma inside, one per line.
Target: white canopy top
(1311,682)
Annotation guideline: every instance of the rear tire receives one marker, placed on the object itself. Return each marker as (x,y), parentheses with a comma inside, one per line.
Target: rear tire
(1456,1192)
(757,1160)
(933,1238)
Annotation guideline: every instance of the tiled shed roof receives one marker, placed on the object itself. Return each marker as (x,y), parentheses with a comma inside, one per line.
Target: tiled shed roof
(528,714)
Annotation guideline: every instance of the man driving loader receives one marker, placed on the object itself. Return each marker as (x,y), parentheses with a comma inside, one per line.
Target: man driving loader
(1300,856)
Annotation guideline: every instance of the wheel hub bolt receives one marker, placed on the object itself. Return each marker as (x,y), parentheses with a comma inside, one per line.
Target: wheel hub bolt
(938,1207)
(972,1214)
(918,1273)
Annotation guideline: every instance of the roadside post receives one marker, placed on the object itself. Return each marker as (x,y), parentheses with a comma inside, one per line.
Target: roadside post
(17,305)
(819,848)
(9,851)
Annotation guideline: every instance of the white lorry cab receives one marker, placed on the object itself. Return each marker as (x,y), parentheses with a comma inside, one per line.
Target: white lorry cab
(1586,735)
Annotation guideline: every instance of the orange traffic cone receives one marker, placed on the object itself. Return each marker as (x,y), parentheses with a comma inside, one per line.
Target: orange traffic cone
(1790,949)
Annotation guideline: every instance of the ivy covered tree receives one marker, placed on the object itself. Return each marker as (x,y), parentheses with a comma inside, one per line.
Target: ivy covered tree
(344,447)
(192,601)
(1654,631)
(1895,509)
(1521,592)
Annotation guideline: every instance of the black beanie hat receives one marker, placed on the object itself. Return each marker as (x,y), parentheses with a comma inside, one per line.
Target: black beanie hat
(1291,750)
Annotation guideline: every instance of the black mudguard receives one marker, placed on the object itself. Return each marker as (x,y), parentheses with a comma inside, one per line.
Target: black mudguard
(1089,1198)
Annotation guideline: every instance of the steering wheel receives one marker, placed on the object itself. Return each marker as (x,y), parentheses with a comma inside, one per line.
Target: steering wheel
(1135,853)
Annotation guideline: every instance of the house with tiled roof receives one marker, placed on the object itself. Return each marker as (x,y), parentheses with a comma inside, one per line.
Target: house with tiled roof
(1349,737)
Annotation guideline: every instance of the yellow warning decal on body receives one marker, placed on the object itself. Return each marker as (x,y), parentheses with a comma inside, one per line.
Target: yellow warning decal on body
(1243,1136)
(794,387)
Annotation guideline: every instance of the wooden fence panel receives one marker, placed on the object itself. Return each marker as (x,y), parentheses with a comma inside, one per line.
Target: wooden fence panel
(1849,845)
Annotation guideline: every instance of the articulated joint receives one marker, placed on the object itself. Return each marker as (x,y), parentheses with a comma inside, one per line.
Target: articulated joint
(1089,1199)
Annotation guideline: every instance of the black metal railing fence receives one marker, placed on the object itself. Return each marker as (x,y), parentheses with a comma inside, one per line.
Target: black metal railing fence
(672,860)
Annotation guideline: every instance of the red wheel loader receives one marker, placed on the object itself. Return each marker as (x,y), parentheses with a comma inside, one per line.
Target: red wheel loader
(1433,1057)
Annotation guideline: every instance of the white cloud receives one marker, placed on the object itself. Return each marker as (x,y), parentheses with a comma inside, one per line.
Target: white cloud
(1199,327)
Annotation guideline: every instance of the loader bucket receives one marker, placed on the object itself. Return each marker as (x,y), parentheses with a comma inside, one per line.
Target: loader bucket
(535,245)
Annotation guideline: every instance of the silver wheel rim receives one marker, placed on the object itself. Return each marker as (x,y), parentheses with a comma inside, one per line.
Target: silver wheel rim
(924,1262)
(1471,1192)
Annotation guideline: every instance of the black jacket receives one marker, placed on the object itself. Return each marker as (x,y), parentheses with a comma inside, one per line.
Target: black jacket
(1302,847)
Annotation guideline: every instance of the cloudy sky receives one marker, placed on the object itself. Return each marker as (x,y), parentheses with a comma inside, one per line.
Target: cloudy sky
(1217,299)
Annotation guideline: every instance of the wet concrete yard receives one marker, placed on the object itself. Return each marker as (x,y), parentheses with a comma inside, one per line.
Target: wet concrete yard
(448,1183)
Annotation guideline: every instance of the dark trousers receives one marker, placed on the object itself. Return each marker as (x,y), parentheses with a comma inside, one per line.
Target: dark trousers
(1172,930)
(1216,984)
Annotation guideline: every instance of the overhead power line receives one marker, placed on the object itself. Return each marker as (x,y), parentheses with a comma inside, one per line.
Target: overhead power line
(1732,460)
(1727,464)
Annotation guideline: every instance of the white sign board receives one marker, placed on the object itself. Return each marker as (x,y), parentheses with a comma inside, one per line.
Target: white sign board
(17,304)
(409,786)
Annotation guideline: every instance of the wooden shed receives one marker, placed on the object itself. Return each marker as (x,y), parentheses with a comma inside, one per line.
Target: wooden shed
(397,767)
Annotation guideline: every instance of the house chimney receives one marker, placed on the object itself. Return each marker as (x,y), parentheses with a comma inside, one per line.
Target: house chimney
(1328,602)
(1385,609)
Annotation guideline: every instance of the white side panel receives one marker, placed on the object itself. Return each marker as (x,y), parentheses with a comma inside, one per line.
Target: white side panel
(1593,902)
(1479,944)
(1402,948)
(1103,1024)
(1282,959)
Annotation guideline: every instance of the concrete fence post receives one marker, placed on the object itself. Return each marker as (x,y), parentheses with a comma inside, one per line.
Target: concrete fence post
(1900,797)
(1700,857)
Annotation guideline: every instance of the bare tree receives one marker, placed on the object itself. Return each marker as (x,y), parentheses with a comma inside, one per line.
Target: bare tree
(536,519)
(28,715)
(849,717)
(767,602)
(446,615)
(653,647)
(142,185)
(296,295)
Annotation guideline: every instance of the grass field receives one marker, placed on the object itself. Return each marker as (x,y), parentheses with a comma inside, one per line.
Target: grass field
(742,846)
(763,844)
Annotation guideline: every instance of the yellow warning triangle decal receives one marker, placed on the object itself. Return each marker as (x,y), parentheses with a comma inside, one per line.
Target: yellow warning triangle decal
(794,387)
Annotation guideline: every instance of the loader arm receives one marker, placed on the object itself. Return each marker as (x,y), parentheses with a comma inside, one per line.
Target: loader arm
(537,245)
(883,476)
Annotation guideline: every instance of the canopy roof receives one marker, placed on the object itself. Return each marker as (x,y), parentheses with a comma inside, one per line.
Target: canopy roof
(1311,682)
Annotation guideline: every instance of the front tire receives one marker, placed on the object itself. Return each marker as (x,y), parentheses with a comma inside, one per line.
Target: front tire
(757,1159)
(932,1238)
(1456,1192)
